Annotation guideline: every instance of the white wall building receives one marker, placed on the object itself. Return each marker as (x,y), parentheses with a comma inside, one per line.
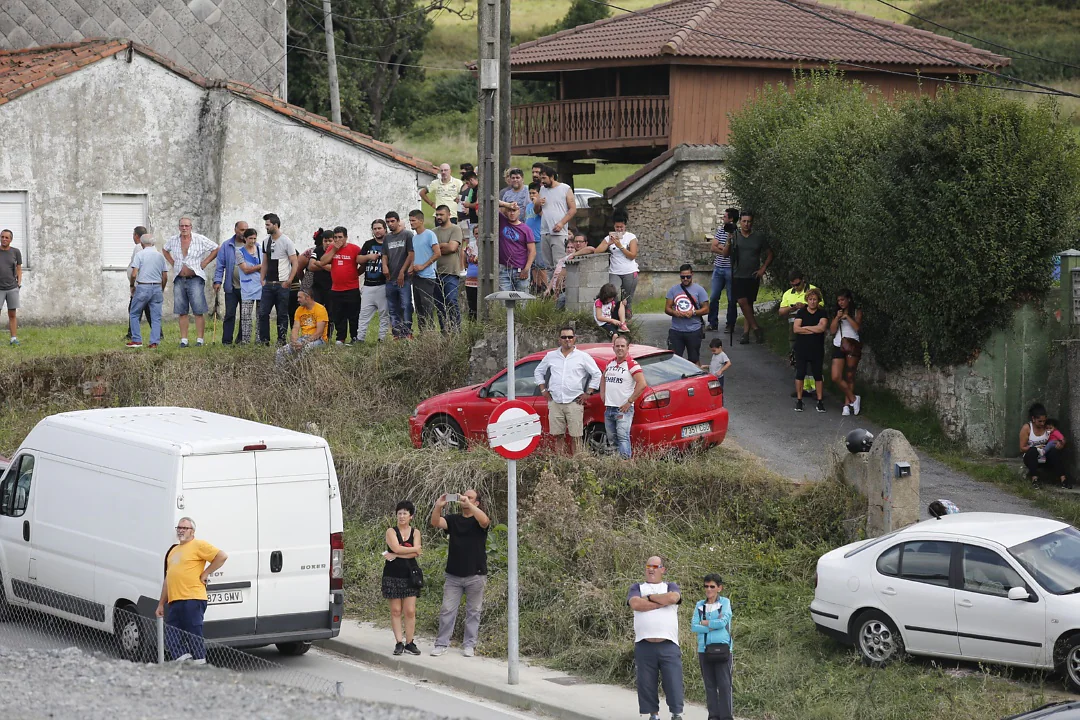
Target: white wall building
(100,136)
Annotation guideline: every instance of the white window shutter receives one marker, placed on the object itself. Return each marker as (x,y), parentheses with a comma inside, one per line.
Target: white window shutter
(120,214)
(13,218)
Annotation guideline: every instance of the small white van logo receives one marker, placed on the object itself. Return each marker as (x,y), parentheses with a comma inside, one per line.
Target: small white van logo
(313,567)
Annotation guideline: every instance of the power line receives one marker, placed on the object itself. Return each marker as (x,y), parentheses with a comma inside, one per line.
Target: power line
(366,47)
(978,39)
(846,63)
(425,9)
(381,62)
(810,11)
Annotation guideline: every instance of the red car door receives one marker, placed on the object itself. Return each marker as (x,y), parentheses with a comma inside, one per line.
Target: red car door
(493,393)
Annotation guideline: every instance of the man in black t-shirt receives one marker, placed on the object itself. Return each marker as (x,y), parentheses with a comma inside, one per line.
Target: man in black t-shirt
(466,568)
(373,295)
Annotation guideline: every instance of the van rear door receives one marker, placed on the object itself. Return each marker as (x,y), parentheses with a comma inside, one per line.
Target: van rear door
(220,494)
(294,540)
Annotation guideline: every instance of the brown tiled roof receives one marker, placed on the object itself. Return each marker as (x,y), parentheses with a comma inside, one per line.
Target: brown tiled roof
(690,29)
(642,172)
(24,70)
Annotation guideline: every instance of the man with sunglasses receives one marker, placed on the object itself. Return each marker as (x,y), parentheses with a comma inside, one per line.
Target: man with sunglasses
(686,303)
(566,377)
(657,655)
(183,594)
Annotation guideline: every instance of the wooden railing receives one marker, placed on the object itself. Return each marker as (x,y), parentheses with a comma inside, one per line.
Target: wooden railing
(611,121)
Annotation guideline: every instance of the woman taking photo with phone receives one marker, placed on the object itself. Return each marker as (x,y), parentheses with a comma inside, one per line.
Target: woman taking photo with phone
(712,623)
(403,546)
(622,246)
(847,349)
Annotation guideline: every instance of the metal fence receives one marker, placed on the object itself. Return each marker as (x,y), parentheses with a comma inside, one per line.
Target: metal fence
(138,638)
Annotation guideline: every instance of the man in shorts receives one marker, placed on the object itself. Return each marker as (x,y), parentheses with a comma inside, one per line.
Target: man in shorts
(750,258)
(189,253)
(10,280)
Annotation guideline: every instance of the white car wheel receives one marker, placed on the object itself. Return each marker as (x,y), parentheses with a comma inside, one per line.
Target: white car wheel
(877,638)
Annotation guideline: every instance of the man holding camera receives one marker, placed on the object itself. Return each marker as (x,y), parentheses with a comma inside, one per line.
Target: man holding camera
(466,568)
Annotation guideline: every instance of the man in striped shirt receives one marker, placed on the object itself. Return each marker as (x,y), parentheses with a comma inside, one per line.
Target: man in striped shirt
(721,277)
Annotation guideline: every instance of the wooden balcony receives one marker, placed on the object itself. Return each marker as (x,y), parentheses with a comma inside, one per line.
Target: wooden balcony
(577,126)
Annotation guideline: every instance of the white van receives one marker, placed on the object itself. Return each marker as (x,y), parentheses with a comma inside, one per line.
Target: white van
(89,504)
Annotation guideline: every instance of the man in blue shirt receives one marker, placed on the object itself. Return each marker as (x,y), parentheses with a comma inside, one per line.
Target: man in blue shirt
(686,303)
(425,253)
(227,275)
(149,273)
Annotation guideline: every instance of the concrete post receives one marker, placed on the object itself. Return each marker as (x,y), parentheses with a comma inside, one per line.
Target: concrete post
(888,476)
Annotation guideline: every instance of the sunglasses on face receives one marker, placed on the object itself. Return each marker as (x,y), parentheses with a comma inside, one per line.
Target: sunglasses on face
(710,587)
(653,567)
(566,337)
(686,277)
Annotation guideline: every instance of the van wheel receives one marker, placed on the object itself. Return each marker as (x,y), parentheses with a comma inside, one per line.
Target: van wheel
(132,633)
(877,639)
(292,649)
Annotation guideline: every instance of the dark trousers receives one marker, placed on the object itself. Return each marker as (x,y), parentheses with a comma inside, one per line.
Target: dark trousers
(184,633)
(146,314)
(447,306)
(322,296)
(1053,467)
(655,662)
(346,304)
(717,679)
(274,296)
(294,304)
(690,342)
(228,325)
(424,301)
(471,294)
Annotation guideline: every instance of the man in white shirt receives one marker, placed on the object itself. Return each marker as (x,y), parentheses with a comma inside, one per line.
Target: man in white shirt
(620,386)
(189,253)
(137,237)
(656,640)
(566,377)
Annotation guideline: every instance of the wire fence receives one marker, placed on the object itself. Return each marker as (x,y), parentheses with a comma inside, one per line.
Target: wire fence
(137,638)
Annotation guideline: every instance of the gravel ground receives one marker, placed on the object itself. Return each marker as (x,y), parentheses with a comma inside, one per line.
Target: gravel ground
(36,684)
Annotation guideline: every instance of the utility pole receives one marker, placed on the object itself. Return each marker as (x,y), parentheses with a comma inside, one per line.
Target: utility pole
(490,39)
(504,93)
(331,62)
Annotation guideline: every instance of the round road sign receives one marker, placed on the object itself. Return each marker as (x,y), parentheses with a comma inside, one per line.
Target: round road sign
(514,429)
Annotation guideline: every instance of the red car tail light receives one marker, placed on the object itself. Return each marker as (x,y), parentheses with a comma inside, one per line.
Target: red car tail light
(337,561)
(656,399)
(715,387)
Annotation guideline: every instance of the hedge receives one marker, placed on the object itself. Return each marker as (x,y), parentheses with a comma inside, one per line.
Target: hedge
(940,213)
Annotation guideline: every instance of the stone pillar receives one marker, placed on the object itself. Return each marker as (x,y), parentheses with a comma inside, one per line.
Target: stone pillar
(892,502)
(584,277)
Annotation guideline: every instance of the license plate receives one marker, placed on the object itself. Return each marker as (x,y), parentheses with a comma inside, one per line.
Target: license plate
(224,598)
(699,429)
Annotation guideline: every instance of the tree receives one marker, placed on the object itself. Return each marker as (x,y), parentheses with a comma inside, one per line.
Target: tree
(379,43)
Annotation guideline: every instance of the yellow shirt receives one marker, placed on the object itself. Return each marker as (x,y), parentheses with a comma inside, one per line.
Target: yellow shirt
(791,297)
(308,320)
(186,563)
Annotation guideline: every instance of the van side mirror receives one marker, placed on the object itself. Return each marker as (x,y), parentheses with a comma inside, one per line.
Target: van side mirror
(1019,593)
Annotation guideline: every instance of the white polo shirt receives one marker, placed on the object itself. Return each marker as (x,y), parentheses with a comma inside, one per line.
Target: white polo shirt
(619,381)
(659,623)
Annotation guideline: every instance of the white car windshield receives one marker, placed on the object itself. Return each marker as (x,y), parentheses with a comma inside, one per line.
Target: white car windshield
(1053,560)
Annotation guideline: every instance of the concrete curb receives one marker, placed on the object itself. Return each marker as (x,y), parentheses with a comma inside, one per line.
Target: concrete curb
(496,693)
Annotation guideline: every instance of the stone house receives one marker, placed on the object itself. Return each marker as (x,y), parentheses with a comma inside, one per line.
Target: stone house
(100,136)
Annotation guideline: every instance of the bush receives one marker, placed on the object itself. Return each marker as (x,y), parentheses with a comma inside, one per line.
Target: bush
(939,213)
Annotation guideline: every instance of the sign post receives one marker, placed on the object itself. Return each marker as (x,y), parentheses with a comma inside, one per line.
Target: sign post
(514,432)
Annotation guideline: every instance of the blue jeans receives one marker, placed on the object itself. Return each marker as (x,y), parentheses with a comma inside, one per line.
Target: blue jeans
(617,424)
(274,295)
(399,303)
(446,302)
(510,279)
(146,296)
(721,281)
(184,633)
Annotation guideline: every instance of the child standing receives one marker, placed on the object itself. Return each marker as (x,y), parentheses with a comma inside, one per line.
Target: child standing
(720,361)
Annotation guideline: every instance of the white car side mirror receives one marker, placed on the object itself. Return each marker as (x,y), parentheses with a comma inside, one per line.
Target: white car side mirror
(1019,593)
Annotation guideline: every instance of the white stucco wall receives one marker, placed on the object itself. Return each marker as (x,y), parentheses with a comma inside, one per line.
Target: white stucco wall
(120,127)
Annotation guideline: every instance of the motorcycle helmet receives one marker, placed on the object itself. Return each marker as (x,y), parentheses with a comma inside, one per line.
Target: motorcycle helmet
(942,507)
(859,440)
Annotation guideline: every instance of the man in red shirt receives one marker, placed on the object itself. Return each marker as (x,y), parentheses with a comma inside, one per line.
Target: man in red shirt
(342,259)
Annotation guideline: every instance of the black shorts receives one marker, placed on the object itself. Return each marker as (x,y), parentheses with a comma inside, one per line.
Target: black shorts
(745,288)
(809,363)
(838,353)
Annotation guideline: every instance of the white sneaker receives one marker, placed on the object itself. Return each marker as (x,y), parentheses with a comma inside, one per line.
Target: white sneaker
(339,344)
(200,661)
(847,410)
(857,406)
(438,651)
(468,652)
(182,658)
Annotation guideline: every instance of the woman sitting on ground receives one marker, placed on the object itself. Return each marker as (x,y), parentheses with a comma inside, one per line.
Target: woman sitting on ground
(609,312)
(403,546)
(1038,458)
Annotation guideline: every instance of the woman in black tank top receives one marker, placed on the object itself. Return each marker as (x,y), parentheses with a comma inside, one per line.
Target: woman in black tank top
(403,546)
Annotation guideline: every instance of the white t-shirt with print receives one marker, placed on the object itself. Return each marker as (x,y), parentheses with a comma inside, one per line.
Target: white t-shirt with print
(660,623)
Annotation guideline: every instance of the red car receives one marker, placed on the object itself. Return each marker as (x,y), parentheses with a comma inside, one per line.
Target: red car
(682,406)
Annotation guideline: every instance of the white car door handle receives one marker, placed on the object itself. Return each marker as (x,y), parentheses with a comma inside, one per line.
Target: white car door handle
(888,591)
(964,603)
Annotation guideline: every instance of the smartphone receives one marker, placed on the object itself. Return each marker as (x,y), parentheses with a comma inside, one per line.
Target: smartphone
(451,497)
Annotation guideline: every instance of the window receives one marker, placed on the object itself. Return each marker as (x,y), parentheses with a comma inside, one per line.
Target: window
(926,561)
(120,214)
(666,367)
(987,572)
(1053,560)
(889,562)
(524,385)
(15,489)
(13,218)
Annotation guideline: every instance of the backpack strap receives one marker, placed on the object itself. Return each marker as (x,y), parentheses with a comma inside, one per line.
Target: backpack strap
(167,553)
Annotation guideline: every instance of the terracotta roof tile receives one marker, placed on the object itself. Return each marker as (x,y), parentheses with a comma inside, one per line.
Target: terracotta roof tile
(792,33)
(24,70)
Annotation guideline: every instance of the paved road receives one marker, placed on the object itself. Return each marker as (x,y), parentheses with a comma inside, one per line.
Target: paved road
(795,445)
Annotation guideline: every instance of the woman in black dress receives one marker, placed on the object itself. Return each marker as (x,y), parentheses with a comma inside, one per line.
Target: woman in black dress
(403,546)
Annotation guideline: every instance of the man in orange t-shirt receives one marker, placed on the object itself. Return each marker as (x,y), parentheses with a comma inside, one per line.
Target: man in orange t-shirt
(183,594)
(309,328)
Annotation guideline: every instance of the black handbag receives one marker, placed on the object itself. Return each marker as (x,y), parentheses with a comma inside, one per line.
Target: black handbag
(715,652)
(416,575)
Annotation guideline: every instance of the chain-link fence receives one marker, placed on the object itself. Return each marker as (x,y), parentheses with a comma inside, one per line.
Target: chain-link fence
(137,638)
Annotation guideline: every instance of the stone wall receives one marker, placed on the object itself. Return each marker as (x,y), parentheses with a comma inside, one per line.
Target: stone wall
(221,39)
(584,278)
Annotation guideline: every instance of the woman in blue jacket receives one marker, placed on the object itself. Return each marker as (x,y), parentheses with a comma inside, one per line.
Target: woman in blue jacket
(712,623)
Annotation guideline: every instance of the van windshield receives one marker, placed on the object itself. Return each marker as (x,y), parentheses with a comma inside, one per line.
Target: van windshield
(666,367)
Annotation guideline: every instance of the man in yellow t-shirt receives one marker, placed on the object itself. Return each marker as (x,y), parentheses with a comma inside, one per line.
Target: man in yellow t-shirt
(183,594)
(309,328)
(790,303)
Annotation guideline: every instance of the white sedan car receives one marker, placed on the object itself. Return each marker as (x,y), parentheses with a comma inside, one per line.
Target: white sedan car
(972,586)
